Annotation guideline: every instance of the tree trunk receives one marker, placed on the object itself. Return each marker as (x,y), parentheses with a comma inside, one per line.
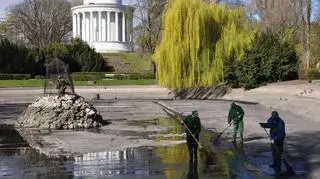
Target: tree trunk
(308,9)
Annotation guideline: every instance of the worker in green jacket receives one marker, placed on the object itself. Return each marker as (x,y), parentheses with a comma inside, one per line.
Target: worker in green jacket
(236,114)
(192,122)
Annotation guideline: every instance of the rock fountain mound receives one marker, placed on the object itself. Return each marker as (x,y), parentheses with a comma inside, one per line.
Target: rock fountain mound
(68,111)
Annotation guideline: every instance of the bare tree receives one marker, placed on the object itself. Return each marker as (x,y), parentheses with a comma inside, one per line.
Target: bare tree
(278,15)
(306,29)
(283,16)
(148,20)
(229,3)
(75,2)
(42,22)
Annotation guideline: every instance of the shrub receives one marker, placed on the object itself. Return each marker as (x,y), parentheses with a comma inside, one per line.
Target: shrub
(139,76)
(312,74)
(78,55)
(39,77)
(15,76)
(130,76)
(269,60)
(88,76)
(14,58)
(85,57)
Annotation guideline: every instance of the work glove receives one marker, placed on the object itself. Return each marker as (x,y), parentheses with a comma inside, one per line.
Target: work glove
(261,124)
(272,141)
(181,121)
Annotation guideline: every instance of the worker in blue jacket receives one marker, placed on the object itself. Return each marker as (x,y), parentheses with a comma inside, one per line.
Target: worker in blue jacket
(277,135)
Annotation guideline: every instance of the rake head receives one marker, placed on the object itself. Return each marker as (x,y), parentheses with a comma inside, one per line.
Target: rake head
(289,171)
(216,141)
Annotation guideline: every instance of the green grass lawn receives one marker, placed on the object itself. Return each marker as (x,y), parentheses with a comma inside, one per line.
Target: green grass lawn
(134,62)
(40,83)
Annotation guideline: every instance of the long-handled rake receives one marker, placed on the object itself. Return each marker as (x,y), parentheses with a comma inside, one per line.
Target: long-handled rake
(290,171)
(177,114)
(216,141)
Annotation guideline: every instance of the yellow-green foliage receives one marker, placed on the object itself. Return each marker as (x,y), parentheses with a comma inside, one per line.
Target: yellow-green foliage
(197,39)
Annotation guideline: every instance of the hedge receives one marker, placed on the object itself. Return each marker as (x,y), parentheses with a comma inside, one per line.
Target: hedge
(93,76)
(130,76)
(88,76)
(4,76)
(312,74)
(269,60)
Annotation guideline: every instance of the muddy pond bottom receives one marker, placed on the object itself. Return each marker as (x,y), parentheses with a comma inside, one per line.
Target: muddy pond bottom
(19,160)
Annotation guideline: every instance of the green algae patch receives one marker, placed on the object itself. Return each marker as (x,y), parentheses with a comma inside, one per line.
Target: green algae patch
(213,163)
(219,163)
(143,123)
(229,153)
(250,167)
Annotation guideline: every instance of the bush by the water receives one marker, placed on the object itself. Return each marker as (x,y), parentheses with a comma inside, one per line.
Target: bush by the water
(77,54)
(312,74)
(15,76)
(93,76)
(14,58)
(132,76)
(88,76)
(270,59)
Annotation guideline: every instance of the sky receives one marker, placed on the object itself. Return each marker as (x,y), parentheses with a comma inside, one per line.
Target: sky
(6,3)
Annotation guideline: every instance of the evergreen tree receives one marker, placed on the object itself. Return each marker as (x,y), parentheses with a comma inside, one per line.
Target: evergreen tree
(271,59)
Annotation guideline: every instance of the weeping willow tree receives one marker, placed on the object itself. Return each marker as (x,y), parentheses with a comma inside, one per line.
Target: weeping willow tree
(197,41)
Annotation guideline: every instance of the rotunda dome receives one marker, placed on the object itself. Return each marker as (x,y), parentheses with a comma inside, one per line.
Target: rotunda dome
(119,2)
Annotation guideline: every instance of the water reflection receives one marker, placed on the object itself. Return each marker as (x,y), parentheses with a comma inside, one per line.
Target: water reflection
(19,160)
(10,111)
(193,171)
(138,161)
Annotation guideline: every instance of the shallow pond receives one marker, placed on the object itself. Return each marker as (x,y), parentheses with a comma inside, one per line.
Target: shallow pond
(19,160)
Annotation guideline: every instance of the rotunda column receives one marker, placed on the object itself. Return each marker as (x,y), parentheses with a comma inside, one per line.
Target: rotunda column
(108,26)
(91,27)
(84,26)
(100,26)
(123,27)
(117,27)
(78,25)
(104,26)
(130,27)
(74,25)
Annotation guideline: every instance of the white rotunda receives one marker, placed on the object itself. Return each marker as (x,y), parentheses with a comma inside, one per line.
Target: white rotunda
(106,25)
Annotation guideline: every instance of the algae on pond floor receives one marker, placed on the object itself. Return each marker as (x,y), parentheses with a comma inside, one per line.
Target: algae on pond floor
(169,161)
(210,162)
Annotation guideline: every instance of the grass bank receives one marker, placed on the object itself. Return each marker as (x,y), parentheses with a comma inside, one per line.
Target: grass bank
(128,62)
(40,83)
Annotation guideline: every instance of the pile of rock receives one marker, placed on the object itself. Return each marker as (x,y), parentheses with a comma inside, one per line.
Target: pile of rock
(60,112)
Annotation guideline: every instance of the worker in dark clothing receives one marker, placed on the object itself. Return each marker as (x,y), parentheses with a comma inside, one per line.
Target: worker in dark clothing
(277,136)
(236,114)
(192,122)
(193,171)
